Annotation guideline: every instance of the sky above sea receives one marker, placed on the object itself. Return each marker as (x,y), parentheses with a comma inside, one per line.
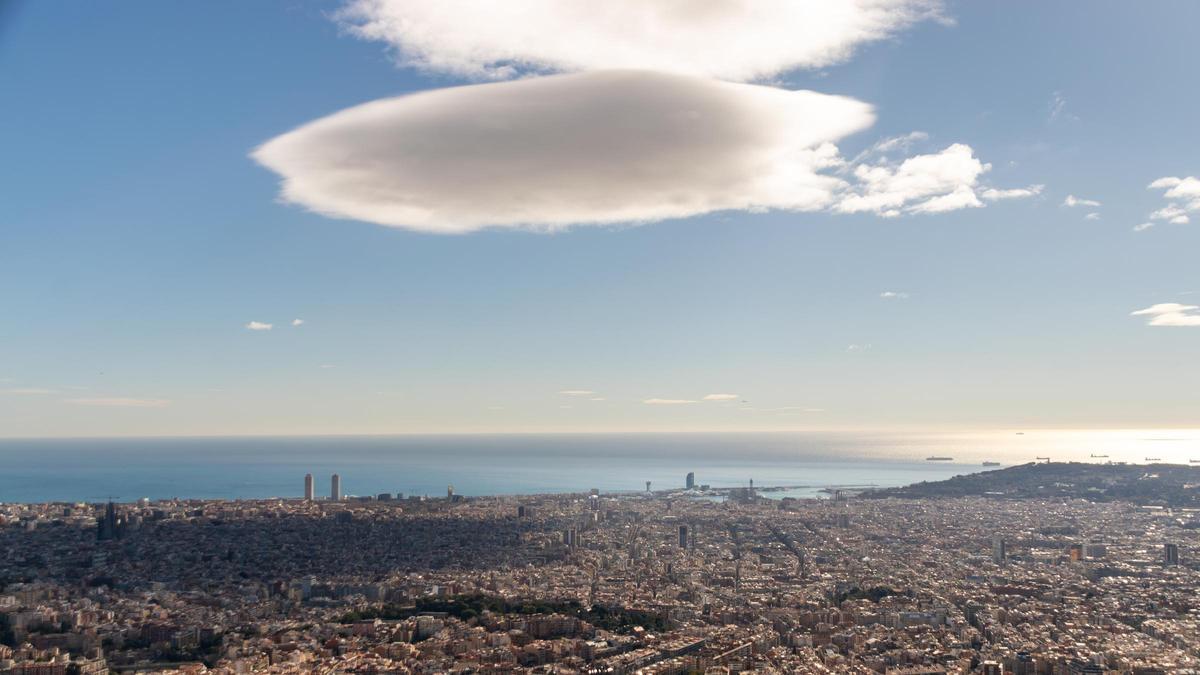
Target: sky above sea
(942,215)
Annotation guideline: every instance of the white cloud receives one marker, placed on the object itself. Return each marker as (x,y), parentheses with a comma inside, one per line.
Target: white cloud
(597,398)
(902,143)
(1142,227)
(894,295)
(27,391)
(548,152)
(994,195)
(721,397)
(1092,216)
(1058,108)
(1170,314)
(121,402)
(667,401)
(258,325)
(297,322)
(933,183)
(1185,189)
(577,392)
(1183,198)
(728,39)
(1072,201)
(858,348)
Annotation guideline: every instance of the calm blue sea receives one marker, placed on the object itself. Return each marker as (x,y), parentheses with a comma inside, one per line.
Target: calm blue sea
(128,469)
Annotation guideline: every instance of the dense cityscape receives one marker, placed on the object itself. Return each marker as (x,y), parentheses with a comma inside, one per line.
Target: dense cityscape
(687,580)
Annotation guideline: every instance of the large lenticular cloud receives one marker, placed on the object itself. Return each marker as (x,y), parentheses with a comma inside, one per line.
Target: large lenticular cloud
(545,153)
(728,39)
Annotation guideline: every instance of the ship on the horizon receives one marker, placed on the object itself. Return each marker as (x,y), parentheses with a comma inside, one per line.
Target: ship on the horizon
(936,458)
(1154,459)
(1095,456)
(991,464)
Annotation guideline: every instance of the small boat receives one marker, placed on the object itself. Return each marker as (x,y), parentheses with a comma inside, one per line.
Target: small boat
(991,463)
(1153,459)
(1094,456)
(936,458)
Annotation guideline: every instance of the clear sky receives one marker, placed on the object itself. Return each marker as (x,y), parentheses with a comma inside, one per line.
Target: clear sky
(607,227)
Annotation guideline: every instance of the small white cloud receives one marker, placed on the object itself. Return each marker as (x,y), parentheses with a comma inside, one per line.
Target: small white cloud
(995,195)
(258,325)
(727,40)
(933,183)
(597,398)
(1058,108)
(858,348)
(1183,198)
(576,392)
(1170,314)
(1142,227)
(894,295)
(297,322)
(1092,216)
(1072,201)
(721,397)
(667,401)
(27,391)
(121,402)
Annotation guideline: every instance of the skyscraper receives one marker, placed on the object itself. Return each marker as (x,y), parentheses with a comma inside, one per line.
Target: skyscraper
(691,480)
(683,534)
(647,486)
(308,487)
(1170,554)
(335,488)
(999,551)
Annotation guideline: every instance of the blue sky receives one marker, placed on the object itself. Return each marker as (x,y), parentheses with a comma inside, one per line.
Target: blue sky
(139,238)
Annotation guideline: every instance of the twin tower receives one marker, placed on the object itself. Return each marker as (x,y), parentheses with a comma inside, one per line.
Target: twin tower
(335,488)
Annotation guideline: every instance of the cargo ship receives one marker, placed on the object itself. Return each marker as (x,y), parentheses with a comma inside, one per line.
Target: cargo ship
(991,463)
(936,458)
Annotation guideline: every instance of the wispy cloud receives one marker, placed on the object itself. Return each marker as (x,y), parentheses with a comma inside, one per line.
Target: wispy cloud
(576,392)
(995,195)
(721,397)
(121,402)
(667,401)
(1092,216)
(858,347)
(894,295)
(1171,314)
(1058,108)
(259,325)
(1072,201)
(297,322)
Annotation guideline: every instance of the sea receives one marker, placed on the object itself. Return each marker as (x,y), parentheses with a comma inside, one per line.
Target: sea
(806,464)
